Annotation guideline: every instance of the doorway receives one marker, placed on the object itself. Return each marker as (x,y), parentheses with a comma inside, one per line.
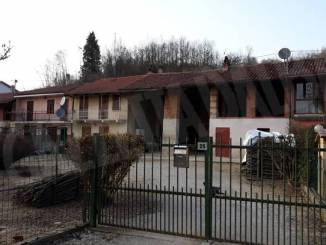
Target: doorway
(30,109)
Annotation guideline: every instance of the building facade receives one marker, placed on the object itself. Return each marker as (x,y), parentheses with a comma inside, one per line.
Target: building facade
(183,107)
(6,102)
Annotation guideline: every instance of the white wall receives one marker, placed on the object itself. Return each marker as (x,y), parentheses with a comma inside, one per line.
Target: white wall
(114,128)
(93,108)
(239,126)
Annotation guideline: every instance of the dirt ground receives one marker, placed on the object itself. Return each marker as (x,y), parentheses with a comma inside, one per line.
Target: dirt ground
(20,222)
(117,236)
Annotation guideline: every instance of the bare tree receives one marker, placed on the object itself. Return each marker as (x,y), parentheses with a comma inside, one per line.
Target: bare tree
(55,72)
(5,51)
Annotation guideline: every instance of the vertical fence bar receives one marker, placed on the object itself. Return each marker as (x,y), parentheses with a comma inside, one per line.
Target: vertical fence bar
(93,171)
(208,191)
(261,164)
(195,191)
(308,191)
(284,191)
(220,187)
(319,152)
(273,194)
(241,190)
(230,188)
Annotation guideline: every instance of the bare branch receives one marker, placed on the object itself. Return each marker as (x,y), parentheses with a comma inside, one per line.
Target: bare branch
(5,51)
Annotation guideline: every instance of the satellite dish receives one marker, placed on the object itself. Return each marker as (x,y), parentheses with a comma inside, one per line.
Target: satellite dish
(63,101)
(284,53)
(60,113)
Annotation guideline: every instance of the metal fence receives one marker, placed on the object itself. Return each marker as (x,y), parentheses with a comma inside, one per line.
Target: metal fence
(267,197)
(220,198)
(25,219)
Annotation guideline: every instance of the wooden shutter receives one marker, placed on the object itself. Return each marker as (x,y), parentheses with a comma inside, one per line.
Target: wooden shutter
(116,102)
(50,107)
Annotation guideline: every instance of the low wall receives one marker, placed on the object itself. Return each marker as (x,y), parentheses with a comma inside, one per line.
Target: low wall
(239,127)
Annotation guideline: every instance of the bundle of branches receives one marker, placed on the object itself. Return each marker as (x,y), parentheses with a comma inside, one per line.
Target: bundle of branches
(114,154)
(269,159)
(51,190)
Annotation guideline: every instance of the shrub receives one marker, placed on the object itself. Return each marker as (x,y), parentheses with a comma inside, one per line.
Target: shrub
(115,154)
(14,147)
(307,155)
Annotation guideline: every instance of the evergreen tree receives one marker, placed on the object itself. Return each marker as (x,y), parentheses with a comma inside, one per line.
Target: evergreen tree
(91,68)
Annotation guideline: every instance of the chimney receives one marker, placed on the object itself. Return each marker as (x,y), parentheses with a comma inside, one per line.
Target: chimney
(226,64)
(13,87)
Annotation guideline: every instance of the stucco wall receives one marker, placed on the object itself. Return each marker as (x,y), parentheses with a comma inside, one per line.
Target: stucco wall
(114,128)
(40,103)
(117,120)
(93,108)
(239,127)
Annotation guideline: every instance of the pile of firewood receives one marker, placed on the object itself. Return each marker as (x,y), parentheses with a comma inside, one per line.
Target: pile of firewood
(114,153)
(267,159)
(51,190)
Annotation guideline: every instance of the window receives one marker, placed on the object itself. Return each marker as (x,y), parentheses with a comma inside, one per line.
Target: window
(103,106)
(50,107)
(116,102)
(83,107)
(264,129)
(308,98)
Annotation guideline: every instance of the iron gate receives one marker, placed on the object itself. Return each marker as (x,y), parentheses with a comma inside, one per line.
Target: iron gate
(263,201)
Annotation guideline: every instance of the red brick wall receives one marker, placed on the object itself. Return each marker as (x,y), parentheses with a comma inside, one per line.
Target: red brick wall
(172,104)
(251,100)
(213,112)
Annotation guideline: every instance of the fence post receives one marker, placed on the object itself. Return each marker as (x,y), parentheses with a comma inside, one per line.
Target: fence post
(208,189)
(94,183)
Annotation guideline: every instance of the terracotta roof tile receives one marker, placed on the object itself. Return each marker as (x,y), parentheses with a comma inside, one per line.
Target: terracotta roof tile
(107,85)
(50,90)
(261,72)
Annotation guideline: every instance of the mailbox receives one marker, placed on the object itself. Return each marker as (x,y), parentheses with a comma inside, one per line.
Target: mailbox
(181,156)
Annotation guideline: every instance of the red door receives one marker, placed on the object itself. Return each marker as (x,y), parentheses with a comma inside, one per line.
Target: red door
(222,138)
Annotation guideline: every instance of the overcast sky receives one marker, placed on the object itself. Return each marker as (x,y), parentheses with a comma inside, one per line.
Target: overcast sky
(39,28)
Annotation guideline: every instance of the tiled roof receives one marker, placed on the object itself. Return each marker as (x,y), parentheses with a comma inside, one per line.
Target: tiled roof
(49,90)
(260,72)
(6,84)
(6,98)
(107,85)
